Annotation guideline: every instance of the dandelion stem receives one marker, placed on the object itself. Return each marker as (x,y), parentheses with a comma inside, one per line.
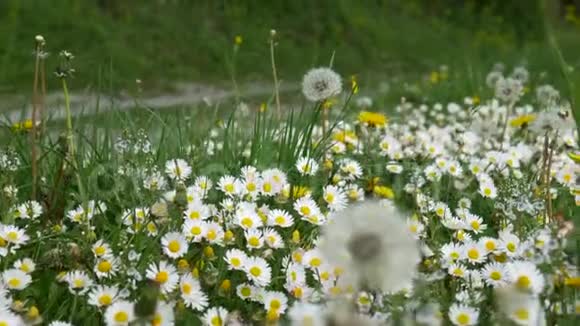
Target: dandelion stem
(507,119)
(275,74)
(34,164)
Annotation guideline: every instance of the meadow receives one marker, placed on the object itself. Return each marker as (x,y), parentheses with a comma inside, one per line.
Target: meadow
(439,187)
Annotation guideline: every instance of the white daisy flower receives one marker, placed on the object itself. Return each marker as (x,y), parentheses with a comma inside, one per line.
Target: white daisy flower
(462,315)
(334,197)
(103,295)
(101,249)
(164,315)
(78,282)
(120,313)
(15,279)
(235,259)
(275,301)
(106,267)
(194,230)
(258,271)
(306,206)
(273,239)
(215,316)
(9,319)
(164,274)
(452,252)
(230,186)
(304,313)
(281,218)
(254,238)
(526,277)
(174,244)
(26,265)
(197,210)
(495,274)
(320,84)
(306,166)
(215,232)
(246,291)
(457,270)
(13,235)
(191,293)
(247,218)
(474,252)
(491,245)
(177,169)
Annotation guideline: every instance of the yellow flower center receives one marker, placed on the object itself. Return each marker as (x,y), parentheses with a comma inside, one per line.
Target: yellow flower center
(12,236)
(216,321)
(315,262)
(211,235)
(100,250)
(473,253)
(454,255)
(174,246)
(186,288)
(495,275)
(121,317)
(157,320)
(279,220)
(162,277)
(463,319)
(475,225)
(267,187)
(275,304)
(511,247)
(522,314)
(523,282)
(194,215)
(490,245)
(329,198)
(229,187)
(195,230)
(105,300)
(254,241)
(251,187)
(247,222)
(246,291)
(78,283)
(255,271)
(25,268)
(104,266)
(14,282)
(236,262)
(305,210)
(487,191)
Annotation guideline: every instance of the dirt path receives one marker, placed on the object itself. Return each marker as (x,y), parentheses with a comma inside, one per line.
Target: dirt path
(86,103)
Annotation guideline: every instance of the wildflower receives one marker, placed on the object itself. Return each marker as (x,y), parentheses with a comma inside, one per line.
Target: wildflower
(508,89)
(106,267)
(246,291)
(235,259)
(177,169)
(384,192)
(78,281)
(120,313)
(275,301)
(215,316)
(304,313)
(254,238)
(101,249)
(15,279)
(521,308)
(307,166)
(194,230)
(281,218)
(197,210)
(258,271)
(462,315)
(474,252)
(164,274)
(526,277)
(372,119)
(103,296)
(163,315)
(363,238)
(248,218)
(26,265)
(522,120)
(320,84)
(191,293)
(495,274)
(174,244)
(334,197)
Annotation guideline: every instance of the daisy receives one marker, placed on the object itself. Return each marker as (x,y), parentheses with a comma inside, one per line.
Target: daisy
(214,233)
(351,169)
(174,244)
(26,265)
(15,279)
(457,270)
(120,313)
(475,223)
(164,274)
(487,189)
(273,181)
(248,219)
(452,252)
(164,315)
(275,301)
(526,277)
(295,274)
(306,166)
(177,169)
(235,259)
(215,316)
(334,197)
(495,274)
(304,313)
(491,245)
(229,185)
(203,183)
(281,218)
(29,210)
(258,271)
(306,206)
(13,235)
(509,243)
(320,84)
(194,230)
(273,239)
(78,282)
(191,293)
(103,295)
(254,238)
(312,258)
(9,319)
(474,252)
(196,210)
(101,249)
(246,291)
(462,315)
(106,267)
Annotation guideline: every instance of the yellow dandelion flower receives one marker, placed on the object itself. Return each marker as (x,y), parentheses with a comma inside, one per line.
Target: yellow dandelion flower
(373,119)
(383,191)
(522,120)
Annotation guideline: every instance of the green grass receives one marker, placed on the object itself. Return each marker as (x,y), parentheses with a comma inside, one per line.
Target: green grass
(182,40)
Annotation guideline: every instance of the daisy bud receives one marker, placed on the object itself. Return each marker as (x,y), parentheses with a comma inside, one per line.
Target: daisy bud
(296,236)
(226,285)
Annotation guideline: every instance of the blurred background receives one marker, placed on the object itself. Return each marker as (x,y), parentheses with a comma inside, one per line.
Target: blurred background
(162,42)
